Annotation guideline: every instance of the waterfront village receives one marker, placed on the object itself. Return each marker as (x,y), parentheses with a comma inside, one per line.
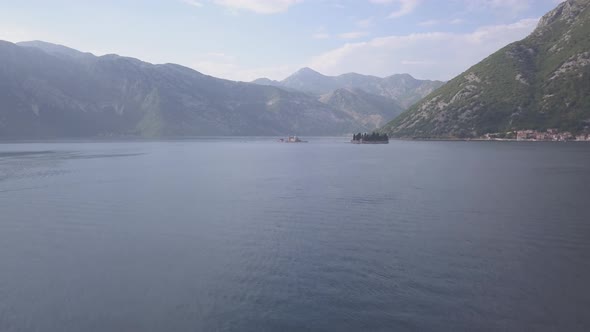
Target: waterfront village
(535,135)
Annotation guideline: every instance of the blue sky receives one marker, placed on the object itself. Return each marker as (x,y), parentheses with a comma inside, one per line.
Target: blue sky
(246,39)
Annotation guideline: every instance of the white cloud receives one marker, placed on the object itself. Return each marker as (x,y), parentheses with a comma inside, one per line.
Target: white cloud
(219,56)
(511,7)
(417,62)
(352,35)
(227,66)
(337,4)
(194,3)
(436,55)
(258,6)
(405,7)
(428,23)
(381,2)
(16,34)
(365,23)
(320,35)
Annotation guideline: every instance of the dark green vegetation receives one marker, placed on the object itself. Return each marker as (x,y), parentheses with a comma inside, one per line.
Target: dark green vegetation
(540,82)
(372,137)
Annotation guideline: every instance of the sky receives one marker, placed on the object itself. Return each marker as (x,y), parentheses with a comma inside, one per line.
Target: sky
(247,39)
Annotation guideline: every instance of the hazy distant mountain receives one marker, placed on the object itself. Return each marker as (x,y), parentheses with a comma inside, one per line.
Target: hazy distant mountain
(57,50)
(49,90)
(371,110)
(540,82)
(402,88)
(266,81)
(309,80)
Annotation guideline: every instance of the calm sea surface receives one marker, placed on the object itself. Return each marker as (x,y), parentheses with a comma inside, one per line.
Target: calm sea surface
(253,235)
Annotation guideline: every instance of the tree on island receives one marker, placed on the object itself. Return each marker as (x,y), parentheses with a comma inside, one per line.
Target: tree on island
(372,137)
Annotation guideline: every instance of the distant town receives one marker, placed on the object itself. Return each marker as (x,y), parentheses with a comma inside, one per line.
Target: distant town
(550,135)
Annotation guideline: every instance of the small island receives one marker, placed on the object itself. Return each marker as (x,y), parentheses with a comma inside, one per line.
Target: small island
(372,138)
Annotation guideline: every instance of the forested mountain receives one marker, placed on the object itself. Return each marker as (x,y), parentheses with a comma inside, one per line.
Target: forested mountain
(538,83)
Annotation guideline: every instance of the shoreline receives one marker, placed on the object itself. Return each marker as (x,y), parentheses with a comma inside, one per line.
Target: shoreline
(482,140)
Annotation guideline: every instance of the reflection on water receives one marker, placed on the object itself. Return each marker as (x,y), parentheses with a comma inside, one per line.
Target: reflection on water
(24,164)
(23,153)
(251,235)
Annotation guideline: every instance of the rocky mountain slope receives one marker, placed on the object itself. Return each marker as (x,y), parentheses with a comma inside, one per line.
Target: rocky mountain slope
(370,110)
(49,90)
(538,83)
(402,88)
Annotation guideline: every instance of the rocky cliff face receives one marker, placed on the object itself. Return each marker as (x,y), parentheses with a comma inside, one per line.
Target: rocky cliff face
(540,82)
(566,11)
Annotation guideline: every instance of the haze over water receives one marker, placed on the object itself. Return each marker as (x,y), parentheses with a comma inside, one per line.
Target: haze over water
(252,235)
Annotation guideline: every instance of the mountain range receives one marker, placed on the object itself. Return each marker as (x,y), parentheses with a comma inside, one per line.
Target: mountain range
(404,89)
(52,91)
(538,83)
(372,111)
(49,90)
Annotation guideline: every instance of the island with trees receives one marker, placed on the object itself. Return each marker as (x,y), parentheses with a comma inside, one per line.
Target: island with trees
(372,138)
